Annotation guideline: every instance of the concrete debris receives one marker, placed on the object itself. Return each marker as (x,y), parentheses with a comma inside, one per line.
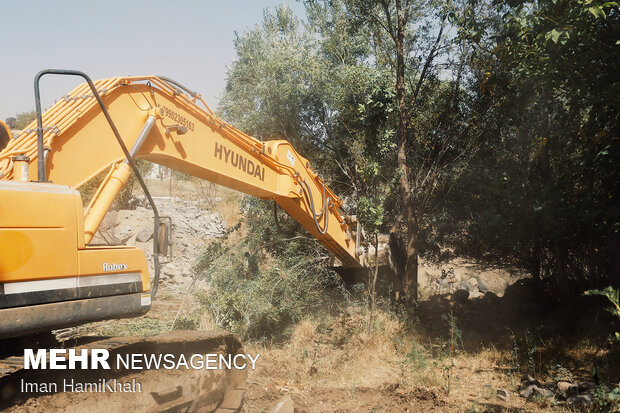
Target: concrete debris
(144,234)
(543,393)
(533,391)
(580,400)
(172,271)
(526,392)
(528,380)
(475,294)
(452,284)
(471,284)
(191,227)
(564,386)
(577,394)
(123,232)
(458,274)
(530,388)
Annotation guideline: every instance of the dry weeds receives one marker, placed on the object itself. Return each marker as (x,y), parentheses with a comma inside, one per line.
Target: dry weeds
(344,353)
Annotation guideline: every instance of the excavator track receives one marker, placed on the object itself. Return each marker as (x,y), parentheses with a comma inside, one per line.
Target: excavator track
(182,390)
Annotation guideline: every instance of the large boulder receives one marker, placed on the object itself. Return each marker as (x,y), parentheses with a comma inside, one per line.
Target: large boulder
(470,284)
(123,232)
(492,281)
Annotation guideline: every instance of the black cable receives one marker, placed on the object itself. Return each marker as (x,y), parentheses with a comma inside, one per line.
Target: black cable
(143,95)
(310,201)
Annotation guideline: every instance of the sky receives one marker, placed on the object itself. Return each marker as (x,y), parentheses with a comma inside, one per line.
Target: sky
(189,41)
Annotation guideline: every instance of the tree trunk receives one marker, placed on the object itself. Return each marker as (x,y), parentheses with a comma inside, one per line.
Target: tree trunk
(410,281)
(373,283)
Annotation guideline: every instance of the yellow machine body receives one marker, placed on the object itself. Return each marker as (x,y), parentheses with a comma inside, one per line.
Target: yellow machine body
(46,270)
(45,232)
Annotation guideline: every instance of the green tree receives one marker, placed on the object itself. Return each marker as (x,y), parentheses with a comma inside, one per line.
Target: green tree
(23,119)
(544,193)
(382,132)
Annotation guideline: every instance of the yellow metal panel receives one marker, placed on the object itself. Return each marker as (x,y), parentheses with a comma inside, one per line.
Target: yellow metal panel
(79,222)
(37,231)
(109,189)
(125,259)
(89,146)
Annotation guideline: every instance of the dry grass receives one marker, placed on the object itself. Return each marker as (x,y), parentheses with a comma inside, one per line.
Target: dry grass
(339,352)
(344,353)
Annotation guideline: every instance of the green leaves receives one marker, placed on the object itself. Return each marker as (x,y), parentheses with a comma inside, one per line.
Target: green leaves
(546,69)
(482,180)
(370,214)
(612,295)
(555,35)
(598,10)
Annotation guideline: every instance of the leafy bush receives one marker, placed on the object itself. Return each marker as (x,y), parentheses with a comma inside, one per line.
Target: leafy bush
(261,285)
(262,304)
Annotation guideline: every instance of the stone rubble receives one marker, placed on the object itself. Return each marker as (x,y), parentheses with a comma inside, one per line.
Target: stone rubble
(192,225)
(460,275)
(450,283)
(576,394)
(192,228)
(503,394)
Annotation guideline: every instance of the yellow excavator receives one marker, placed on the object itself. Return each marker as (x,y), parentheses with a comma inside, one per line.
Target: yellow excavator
(52,277)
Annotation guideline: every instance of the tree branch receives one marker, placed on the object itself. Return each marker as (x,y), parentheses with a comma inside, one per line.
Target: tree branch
(427,63)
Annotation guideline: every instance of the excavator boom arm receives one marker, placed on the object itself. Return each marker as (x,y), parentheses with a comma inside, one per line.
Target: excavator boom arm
(164,122)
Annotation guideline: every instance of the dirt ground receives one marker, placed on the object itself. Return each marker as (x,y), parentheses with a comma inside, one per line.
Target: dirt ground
(336,366)
(363,399)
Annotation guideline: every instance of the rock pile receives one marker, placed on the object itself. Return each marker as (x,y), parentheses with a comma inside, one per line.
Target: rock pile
(531,388)
(576,394)
(450,282)
(459,275)
(191,227)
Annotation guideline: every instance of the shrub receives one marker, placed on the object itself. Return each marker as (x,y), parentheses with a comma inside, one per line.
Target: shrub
(261,302)
(262,284)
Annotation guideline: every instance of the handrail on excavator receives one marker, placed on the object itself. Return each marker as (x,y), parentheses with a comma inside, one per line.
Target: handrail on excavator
(41,176)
